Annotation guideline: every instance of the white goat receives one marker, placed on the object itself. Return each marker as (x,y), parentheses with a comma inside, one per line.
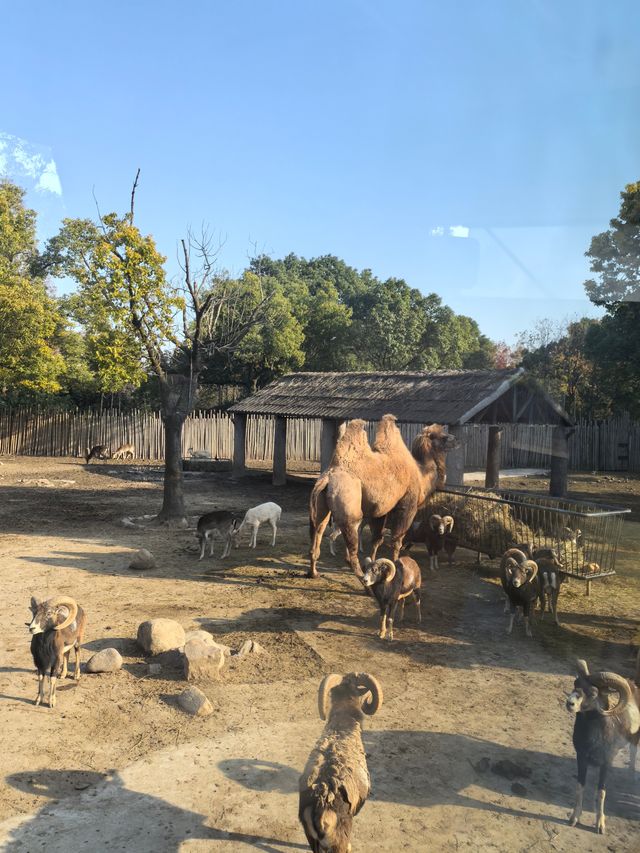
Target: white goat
(256,516)
(198,454)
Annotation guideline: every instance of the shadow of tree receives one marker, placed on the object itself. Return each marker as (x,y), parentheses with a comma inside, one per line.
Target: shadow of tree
(101,813)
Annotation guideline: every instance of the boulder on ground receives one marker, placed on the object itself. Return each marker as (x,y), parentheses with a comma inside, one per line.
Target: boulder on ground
(160,635)
(202,661)
(194,702)
(206,638)
(143,559)
(154,668)
(250,647)
(106,660)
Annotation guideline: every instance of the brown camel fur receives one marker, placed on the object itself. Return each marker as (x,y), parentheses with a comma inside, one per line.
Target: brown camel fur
(373,482)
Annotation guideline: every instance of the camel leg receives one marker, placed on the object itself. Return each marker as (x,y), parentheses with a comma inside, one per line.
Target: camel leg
(376,526)
(403,516)
(350,534)
(316,531)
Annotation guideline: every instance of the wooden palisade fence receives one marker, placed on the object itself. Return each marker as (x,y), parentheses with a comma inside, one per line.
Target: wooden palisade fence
(611,445)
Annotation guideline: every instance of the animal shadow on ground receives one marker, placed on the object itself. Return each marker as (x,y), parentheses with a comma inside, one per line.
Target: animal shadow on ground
(423,769)
(102,802)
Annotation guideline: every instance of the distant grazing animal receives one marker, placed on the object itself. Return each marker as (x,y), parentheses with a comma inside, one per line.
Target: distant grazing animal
(98,451)
(125,451)
(257,515)
(376,482)
(221,522)
(600,731)
(392,582)
(57,626)
(519,584)
(335,782)
(198,454)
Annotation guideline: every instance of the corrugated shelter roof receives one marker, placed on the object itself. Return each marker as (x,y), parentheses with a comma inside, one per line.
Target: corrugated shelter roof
(443,396)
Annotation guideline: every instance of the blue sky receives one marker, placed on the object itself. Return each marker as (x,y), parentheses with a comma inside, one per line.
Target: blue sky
(361,128)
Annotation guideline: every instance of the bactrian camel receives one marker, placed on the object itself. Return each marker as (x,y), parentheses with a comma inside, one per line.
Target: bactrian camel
(375,482)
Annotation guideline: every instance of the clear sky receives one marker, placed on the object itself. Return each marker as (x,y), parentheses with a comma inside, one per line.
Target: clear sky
(472,148)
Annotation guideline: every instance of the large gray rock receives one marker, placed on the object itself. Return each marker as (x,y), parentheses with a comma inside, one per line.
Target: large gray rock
(106,660)
(202,662)
(143,559)
(194,702)
(160,635)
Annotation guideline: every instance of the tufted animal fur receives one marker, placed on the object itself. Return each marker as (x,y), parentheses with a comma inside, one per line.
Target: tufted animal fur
(335,783)
(375,482)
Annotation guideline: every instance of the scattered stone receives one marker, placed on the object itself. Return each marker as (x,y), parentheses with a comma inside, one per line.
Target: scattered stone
(510,770)
(202,661)
(519,789)
(106,660)
(194,702)
(250,647)
(154,668)
(143,559)
(206,638)
(160,635)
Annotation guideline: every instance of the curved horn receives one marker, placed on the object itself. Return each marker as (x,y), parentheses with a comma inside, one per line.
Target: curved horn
(327,683)
(613,682)
(370,706)
(64,600)
(582,667)
(531,566)
(392,568)
(448,523)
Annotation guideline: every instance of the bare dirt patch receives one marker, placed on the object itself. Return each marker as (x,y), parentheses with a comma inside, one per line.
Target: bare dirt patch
(120,767)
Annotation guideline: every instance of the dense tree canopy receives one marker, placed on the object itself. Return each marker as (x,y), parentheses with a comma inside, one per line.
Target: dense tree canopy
(614,344)
(32,328)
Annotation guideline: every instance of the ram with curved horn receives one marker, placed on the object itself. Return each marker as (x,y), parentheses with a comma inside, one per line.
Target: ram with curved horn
(335,783)
(57,626)
(391,583)
(600,730)
(519,585)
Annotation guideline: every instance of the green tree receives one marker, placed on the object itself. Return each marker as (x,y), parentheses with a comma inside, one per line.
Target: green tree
(30,361)
(137,321)
(614,345)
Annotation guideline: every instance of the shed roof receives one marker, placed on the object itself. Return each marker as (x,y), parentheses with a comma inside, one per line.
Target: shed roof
(443,396)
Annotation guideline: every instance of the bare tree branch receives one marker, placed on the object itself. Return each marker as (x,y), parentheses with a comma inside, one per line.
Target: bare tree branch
(133,195)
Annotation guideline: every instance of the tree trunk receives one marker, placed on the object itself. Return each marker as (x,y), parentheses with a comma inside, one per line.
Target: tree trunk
(177,394)
(173,499)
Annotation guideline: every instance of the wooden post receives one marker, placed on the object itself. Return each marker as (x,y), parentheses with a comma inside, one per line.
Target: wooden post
(492,473)
(559,461)
(455,460)
(280,451)
(328,437)
(239,434)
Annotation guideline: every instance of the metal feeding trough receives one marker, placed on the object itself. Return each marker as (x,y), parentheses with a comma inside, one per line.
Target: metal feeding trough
(584,534)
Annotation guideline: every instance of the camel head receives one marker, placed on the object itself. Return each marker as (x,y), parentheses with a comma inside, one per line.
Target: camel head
(432,444)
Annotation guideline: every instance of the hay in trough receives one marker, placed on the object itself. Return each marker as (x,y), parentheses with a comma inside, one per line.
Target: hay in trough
(484,522)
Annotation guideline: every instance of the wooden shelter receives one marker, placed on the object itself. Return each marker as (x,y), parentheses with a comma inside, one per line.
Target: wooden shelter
(451,397)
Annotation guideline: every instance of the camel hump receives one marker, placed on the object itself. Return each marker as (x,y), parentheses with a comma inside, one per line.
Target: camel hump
(388,437)
(351,445)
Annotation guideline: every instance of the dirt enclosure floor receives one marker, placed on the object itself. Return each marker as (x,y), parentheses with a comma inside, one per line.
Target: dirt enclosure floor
(470,751)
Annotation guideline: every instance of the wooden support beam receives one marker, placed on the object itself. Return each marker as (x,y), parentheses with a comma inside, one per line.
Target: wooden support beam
(328,436)
(239,435)
(280,451)
(455,460)
(559,461)
(494,444)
